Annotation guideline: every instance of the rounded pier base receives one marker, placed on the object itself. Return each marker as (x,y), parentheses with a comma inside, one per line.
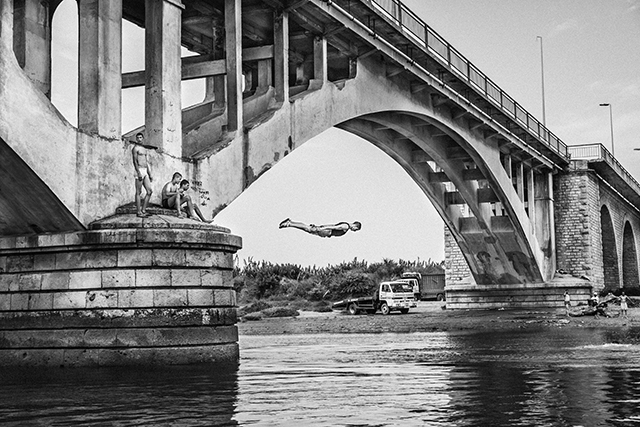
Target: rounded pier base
(129,291)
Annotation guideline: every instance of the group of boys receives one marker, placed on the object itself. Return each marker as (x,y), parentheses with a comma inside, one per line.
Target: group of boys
(174,192)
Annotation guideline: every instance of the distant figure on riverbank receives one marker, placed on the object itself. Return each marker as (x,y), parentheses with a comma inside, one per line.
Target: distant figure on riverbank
(143,176)
(567,301)
(624,305)
(327,230)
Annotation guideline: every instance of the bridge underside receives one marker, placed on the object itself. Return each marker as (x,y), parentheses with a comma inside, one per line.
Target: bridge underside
(28,204)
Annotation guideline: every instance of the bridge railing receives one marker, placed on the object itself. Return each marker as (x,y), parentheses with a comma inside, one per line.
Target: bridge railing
(598,151)
(424,36)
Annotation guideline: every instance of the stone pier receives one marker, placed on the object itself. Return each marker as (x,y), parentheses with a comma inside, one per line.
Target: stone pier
(128,291)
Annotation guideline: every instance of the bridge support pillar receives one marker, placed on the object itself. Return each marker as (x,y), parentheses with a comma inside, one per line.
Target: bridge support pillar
(163,66)
(281,55)
(233,27)
(100,79)
(32,41)
(6,23)
(320,59)
(129,291)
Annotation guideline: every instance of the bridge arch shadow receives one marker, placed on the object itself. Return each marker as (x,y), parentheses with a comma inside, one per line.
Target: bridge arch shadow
(609,251)
(629,258)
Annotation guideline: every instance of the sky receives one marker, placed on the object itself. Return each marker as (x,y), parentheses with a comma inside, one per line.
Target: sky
(591,54)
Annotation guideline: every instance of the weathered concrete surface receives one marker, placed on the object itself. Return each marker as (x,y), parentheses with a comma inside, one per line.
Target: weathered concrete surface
(130,290)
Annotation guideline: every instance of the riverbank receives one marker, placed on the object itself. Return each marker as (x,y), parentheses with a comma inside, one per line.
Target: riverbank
(429,317)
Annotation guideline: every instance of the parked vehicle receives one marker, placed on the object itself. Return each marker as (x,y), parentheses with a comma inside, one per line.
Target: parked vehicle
(431,285)
(390,296)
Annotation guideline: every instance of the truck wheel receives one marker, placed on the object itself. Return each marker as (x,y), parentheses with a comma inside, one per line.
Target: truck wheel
(384,308)
(353,309)
(440,297)
(404,310)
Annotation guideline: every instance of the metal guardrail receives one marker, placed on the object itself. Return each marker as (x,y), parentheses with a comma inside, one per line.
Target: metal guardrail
(451,59)
(599,152)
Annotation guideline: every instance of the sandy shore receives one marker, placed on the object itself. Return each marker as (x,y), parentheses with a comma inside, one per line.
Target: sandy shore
(429,316)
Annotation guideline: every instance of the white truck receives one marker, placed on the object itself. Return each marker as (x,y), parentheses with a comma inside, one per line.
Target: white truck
(390,296)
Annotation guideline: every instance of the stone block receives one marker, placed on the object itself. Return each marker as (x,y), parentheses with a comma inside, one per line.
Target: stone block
(100,337)
(45,261)
(70,260)
(224,297)
(7,243)
(18,263)
(5,302)
(135,258)
(169,257)
(102,299)
(118,236)
(158,236)
(170,297)
(200,297)
(69,300)
(153,278)
(3,264)
(85,280)
(49,240)
(185,277)
(211,277)
(6,281)
(135,298)
(72,239)
(55,281)
(19,302)
(26,282)
(118,278)
(41,301)
(208,259)
(101,259)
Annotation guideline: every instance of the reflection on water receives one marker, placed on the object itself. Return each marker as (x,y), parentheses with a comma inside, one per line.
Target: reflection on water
(562,377)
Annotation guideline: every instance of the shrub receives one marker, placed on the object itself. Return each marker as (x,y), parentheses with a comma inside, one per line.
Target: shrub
(253,316)
(280,312)
(254,307)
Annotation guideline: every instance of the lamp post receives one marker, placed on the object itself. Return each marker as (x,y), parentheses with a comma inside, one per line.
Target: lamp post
(613,152)
(544,118)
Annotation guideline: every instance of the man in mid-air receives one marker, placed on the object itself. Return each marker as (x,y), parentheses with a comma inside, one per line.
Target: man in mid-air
(327,230)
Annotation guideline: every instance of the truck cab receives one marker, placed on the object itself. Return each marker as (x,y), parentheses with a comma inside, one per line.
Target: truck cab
(396,295)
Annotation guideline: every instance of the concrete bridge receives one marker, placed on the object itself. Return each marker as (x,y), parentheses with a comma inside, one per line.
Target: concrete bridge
(518,204)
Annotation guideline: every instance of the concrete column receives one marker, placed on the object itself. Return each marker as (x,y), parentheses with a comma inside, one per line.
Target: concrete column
(281,55)
(216,84)
(32,41)
(320,59)
(545,222)
(265,75)
(233,28)
(531,199)
(6,23)
(520,181)
(100,70)
(163,66)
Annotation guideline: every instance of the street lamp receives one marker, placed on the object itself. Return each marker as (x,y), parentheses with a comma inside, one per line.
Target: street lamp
(611,123)
(544,118)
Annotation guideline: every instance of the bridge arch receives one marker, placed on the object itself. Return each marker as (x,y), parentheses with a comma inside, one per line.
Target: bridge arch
(629,257)
(609,250)
(464,185)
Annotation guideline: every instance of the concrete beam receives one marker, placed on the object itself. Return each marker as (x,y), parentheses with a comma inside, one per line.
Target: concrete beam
(163,111)
(320,59)
(189,72)
(99,81)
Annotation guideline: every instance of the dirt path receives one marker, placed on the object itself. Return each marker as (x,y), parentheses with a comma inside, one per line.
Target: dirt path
(429,317)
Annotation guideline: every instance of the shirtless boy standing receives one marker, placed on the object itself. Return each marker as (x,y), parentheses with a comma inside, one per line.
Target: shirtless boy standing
(143,175)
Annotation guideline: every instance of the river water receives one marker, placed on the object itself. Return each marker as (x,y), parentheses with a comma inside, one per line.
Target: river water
(557,377)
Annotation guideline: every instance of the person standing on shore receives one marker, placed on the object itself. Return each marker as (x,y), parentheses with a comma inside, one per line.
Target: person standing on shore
(567,301)
(624,305)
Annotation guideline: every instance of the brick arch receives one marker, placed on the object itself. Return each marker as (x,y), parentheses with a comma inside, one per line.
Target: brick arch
(629,258)
(609,251)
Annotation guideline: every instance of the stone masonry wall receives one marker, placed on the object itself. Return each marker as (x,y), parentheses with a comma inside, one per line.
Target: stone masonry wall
(456,267)
(577,217)
(156,293)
